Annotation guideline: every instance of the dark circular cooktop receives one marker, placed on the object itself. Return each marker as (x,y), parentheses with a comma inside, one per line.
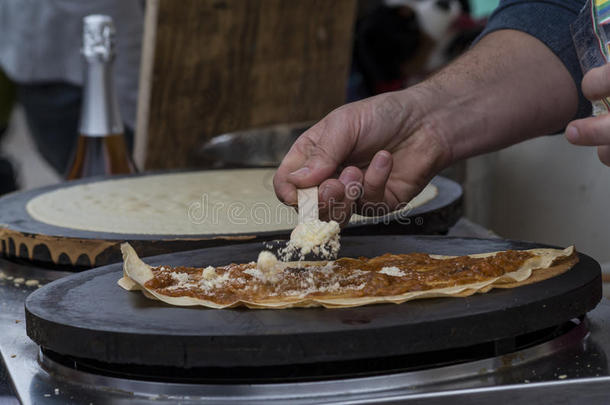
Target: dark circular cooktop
(87,315)
(25,238)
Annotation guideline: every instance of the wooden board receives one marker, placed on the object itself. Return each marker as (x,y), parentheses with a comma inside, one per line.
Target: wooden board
(24,238)
(215,66)
(129,328)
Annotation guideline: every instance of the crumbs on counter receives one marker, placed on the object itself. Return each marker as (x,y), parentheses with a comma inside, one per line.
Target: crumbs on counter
(32,283)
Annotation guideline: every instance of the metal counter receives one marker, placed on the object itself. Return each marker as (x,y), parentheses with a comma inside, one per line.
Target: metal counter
(571,368)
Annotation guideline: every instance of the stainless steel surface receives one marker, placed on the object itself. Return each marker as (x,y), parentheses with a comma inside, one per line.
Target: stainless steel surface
(409,383)
(15,346)
(100,114)
(260,147)
(571,368)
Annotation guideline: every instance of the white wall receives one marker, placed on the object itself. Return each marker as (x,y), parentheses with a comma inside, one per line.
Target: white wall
(544,190)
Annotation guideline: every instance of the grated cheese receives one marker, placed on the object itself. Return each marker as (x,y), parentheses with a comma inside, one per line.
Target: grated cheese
(182,281)
(392,271)
(216,281)
(255,273)
(180,278)
(208,273)
(318,237)
(308,235)
(266,262)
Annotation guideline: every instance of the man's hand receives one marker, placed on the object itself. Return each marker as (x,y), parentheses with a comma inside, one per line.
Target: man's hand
(594,131)
(366,157)
(390,146)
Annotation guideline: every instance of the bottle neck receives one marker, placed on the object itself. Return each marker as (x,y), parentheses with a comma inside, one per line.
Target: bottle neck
(100,114)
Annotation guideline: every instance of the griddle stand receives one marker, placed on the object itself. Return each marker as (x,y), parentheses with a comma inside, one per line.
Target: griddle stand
(578,371)
(574,367)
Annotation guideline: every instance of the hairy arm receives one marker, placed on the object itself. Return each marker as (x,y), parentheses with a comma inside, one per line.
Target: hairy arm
(507,88)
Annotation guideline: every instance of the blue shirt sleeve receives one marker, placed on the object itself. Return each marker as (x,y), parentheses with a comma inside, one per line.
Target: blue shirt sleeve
(549,21)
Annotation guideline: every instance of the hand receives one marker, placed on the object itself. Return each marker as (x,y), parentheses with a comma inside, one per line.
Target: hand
(366,157)
(388,147)
(594,131)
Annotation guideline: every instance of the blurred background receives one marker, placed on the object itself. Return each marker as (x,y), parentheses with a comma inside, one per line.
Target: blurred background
(197,79)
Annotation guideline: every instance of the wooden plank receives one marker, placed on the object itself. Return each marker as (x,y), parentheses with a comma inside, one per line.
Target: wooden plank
(145,83)
(226,65)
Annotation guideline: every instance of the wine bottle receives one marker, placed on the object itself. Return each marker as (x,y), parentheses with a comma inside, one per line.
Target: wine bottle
(101,147)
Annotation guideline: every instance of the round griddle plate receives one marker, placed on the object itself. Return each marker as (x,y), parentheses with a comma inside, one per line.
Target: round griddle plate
(25,238)
(87,315)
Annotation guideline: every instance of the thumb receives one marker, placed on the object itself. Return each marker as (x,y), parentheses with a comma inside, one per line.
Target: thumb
(321,150)
(317,167)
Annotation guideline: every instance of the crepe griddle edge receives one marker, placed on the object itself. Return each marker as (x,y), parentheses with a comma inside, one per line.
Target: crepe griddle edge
(25,238)
(88,315)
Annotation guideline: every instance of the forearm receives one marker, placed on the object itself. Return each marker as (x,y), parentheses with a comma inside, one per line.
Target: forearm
(508,88)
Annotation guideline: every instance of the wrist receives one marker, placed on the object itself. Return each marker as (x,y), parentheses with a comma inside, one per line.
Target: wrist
(427,128)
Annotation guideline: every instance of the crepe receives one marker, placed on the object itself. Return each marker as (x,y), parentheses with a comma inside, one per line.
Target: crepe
(339,284)
(213,202)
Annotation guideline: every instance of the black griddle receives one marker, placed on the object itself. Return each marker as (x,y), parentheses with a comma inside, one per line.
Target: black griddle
(89,316)
(27,239)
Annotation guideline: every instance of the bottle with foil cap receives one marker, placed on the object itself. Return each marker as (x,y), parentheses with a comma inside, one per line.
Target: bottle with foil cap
(101,148)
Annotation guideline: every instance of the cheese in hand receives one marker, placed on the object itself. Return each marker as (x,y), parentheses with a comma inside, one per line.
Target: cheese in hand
(316,236)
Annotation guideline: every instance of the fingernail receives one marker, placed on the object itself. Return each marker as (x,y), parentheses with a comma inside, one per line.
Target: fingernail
(348,176)
(302,172)
(381,161)
(325,193)
(572,134)
(292,198)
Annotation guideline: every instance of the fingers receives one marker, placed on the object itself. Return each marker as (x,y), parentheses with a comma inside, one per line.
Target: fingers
(351,177)
(419,159)
(337,197)
(596,83)
(331,194)
(285,190)
(319,162)
(316,155)
(375,180)
(604,154)
(593,131)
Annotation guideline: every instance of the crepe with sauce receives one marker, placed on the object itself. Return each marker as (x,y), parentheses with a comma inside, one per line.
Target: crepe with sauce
(345,282)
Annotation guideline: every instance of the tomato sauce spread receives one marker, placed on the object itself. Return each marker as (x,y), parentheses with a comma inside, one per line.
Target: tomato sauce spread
(385,275)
